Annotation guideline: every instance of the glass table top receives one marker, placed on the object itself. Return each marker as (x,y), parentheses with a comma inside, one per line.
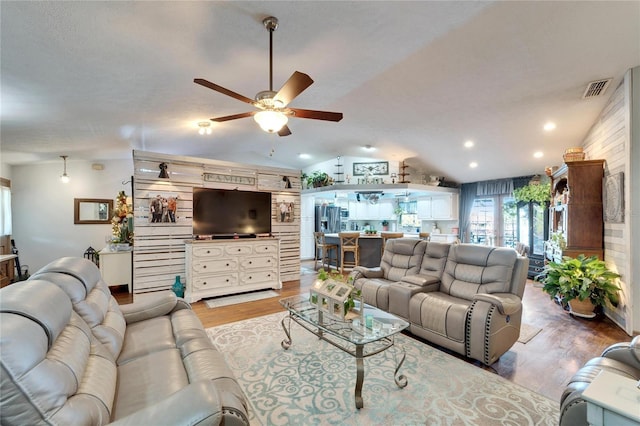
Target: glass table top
(373,325)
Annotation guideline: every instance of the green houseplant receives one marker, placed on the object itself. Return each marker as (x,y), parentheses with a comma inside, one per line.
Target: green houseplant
(581,279)
(337,276)
(539,193)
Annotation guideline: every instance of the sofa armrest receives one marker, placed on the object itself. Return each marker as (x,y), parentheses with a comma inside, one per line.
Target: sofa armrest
(196,404)
(423,280)
(362,272)
(507,303)
(627,353)
(149,306)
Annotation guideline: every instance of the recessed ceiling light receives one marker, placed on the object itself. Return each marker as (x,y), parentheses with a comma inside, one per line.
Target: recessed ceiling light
(304,156)
(549,126)
(538,154)
(473,164)
(469,144)
(368,148)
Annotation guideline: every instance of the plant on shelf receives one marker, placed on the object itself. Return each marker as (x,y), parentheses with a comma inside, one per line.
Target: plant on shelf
(581,279)
(539,193)
(319,179)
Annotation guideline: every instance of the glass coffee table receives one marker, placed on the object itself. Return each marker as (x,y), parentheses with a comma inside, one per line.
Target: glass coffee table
(370,334)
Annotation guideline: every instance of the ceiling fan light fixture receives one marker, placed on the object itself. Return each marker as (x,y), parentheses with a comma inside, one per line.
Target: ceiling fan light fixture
(271,121)
(204,128)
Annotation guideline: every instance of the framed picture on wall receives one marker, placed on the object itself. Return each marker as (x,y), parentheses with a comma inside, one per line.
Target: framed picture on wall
(379,168)
(284,211)
(163,207)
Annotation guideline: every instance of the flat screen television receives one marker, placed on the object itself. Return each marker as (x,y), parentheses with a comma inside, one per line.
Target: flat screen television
(224,213)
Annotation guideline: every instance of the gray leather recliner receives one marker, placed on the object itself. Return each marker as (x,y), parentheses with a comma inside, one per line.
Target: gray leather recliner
(621,358)
(71,355)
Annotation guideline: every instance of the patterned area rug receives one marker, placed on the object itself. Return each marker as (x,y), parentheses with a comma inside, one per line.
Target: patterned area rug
(239,298)
(313,383)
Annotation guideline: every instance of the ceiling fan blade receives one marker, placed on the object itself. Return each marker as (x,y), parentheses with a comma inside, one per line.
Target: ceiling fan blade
(316,115)
(222,90)
(284,131)
(234,117)
(296,84)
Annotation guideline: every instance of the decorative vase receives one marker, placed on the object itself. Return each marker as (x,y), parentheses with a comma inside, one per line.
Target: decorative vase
(177,287)
(582,308)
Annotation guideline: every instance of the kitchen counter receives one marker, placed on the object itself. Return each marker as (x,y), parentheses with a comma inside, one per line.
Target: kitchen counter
(370,249)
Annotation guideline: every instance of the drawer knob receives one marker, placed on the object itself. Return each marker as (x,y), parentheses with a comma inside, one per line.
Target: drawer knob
(204,283)
(227,280)
(204,266)
(208,252)
(227,264)
(250,262)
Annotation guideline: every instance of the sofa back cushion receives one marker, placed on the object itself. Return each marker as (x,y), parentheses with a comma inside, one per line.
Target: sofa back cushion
(53,369)
(434,259)
(402,256)
(473,269)
(80,279)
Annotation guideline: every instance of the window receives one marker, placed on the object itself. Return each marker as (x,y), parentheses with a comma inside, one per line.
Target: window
(494,221)
(5,209)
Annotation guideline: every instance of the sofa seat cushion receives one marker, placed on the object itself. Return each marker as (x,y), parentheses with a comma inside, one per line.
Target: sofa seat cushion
(375,291)
(440,313)
(148,379)
(146,337)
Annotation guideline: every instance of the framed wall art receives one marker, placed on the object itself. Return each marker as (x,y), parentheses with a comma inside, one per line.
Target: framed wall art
(614,198)
(379,168)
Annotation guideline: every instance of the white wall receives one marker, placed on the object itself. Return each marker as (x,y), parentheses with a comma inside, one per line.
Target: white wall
(42,208)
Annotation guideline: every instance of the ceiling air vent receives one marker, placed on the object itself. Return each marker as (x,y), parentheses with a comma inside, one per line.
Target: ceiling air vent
(596,88)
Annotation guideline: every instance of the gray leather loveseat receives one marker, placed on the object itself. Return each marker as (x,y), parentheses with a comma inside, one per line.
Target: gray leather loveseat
(464,297)
(72,356)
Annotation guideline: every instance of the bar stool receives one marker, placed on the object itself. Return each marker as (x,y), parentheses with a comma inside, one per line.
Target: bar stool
(349,244)
(323,251)
(425,235)
(385,236)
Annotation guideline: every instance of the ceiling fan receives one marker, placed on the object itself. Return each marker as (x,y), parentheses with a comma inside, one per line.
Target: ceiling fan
(273,112)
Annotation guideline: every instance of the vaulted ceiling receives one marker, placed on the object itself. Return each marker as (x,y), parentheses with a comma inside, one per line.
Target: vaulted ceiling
(415,80)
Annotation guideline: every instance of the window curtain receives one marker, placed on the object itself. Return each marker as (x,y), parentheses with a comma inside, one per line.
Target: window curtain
(5,210)
(495,187)
(467,197)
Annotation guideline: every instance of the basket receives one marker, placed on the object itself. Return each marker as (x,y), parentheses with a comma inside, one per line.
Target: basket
(573,154)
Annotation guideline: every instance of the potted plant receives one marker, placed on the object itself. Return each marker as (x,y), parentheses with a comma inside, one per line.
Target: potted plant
(319,179)
(385,225)
(539,193)
(337,276)
(583,282)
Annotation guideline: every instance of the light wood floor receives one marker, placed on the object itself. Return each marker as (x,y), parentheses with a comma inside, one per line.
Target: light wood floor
(544,364)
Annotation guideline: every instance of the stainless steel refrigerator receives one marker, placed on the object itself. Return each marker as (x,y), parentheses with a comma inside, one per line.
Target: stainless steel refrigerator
(327,219)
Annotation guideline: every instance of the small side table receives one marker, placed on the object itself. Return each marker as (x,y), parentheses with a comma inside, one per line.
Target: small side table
(612,399)
(115,267)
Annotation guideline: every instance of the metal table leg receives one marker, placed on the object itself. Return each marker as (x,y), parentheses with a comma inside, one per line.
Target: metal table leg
(286,343)
(359,376)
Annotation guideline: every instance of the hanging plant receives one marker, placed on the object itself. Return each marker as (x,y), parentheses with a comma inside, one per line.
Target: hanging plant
(540,193)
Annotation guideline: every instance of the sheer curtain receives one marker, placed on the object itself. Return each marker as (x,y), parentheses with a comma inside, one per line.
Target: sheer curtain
(5,210)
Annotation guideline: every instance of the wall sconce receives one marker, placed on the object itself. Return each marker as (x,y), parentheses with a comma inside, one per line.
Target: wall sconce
(204,128)
(163,171)
(393,177)
(65,177)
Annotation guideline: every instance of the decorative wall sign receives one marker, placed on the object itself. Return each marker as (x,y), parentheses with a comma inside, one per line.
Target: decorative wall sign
(614,198)
(236,180)
(378,168)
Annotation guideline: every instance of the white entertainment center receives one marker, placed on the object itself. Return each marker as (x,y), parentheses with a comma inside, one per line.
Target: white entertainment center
(228,266)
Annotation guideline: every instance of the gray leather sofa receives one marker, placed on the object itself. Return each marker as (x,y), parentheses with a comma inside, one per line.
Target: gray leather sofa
(622,359)
(71,355)
(464,297)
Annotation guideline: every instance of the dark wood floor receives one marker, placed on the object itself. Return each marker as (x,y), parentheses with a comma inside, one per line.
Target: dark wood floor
(544,364)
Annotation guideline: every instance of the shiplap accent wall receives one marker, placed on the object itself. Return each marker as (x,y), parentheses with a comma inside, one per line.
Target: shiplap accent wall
(609,139)
(159,248)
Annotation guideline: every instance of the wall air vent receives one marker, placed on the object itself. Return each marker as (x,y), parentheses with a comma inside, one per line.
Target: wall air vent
(596,88)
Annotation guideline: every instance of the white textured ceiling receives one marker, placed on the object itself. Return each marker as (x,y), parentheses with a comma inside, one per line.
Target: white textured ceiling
(95,80)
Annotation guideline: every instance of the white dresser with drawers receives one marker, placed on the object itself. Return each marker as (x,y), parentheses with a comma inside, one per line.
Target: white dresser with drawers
(228,266)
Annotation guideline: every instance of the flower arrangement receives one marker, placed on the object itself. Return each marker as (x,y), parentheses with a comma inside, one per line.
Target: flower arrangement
(122,221)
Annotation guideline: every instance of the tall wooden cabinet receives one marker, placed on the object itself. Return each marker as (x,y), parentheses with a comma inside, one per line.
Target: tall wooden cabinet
(576,224)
